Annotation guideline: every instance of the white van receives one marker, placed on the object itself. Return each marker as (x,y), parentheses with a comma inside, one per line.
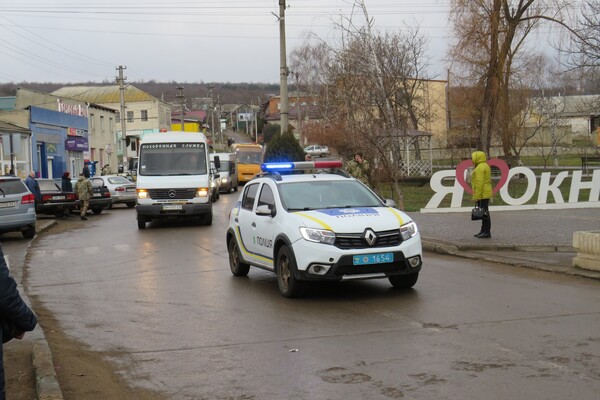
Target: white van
(228,171)
(173,177)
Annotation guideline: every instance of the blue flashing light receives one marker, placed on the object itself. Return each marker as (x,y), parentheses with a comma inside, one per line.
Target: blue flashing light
(277,167)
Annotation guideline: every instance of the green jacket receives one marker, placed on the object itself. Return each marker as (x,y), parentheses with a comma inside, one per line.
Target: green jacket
(359,171)
(481,178)
(84,189)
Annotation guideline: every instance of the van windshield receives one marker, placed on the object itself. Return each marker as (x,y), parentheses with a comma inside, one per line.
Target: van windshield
(164,159)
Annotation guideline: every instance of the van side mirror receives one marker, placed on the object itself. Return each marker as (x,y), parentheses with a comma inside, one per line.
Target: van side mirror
(217,162)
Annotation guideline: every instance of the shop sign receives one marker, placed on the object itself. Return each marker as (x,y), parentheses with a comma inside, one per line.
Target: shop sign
(73,109)
(76,143)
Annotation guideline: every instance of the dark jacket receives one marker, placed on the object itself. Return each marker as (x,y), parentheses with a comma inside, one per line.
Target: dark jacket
(66,185)
(14,313)
(86,171)
(34,187)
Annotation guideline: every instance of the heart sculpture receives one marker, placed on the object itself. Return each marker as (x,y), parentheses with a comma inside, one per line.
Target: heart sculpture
(493,162)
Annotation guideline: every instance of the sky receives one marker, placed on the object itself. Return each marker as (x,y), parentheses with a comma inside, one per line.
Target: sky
(67,41)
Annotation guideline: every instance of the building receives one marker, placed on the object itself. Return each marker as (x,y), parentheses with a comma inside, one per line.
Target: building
(144,113)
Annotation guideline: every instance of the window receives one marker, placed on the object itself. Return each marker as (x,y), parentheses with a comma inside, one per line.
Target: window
(249,196)
(118,117)
(144,115)
(102,123)
(266,197)
(92,124)
(129,116)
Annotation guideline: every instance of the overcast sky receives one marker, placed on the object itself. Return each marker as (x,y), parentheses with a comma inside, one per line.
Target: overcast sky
(183,40)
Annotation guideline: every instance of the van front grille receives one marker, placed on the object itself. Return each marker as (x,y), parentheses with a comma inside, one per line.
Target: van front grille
(172,194)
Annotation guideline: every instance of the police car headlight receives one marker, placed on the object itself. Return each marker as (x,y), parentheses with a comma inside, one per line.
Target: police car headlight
(318,235)
(408,230)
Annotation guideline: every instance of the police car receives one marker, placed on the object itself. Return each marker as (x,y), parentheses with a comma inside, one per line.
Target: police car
(320,225)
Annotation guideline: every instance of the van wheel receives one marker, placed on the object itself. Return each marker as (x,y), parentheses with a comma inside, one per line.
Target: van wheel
(287,283)
(141,221)
(29,233)
(235,188)
(236,265)
(207,218)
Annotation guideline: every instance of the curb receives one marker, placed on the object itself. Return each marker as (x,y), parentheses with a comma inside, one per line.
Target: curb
(475,253)
(46,382)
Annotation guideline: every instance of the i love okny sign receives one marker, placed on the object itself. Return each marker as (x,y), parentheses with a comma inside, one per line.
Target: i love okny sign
(548,186)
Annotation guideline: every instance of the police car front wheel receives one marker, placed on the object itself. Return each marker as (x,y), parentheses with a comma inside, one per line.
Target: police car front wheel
(287,283)
(404,281)
(237,266)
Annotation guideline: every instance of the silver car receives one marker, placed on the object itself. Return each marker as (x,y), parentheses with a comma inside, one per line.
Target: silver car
(122,190)
(17,207)
(316,150)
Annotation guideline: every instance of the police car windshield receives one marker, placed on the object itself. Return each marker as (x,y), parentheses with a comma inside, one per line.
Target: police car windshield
(316,195)
(169,159)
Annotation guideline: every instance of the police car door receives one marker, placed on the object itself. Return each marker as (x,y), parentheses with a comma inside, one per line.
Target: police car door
(266,213)
(247,222)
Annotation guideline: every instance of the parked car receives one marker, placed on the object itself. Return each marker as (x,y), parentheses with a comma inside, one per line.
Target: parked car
(99,201)
(316,150)
(122,190)
(17,207)
(54,200)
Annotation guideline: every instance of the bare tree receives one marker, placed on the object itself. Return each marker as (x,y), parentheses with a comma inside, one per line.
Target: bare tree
(490,35)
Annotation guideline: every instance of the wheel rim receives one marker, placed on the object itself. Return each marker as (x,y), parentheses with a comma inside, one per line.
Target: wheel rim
(284,272)
(233,257)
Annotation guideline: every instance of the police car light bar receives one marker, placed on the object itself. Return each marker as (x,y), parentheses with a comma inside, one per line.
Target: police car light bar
(299,165)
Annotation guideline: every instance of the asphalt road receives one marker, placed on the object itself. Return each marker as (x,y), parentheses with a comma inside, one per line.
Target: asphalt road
(163,302)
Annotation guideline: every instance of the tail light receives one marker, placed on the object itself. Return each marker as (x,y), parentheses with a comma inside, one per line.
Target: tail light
(28,199)
(46,197)
(70,196)
(106,194)
(120,189)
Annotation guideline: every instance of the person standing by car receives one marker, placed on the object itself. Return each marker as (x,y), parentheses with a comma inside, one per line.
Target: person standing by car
(84,190)
(16,317)
(359,168)
(66,184)
(86,171)
(33,186)
(481,183)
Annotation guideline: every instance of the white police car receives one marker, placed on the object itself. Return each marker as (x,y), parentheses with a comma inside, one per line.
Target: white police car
(320,226)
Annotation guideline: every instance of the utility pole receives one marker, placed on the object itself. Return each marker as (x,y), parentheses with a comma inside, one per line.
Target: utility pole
(212,110)
(121,82)
(298,110)
(283,94)
(181,98)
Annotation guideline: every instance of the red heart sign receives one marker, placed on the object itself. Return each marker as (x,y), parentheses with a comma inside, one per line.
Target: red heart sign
(494,162)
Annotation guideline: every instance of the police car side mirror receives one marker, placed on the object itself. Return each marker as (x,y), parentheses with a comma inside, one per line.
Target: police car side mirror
(389,202)
(265,210)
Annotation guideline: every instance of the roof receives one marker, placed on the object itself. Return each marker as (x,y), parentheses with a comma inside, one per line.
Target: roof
(103,94)
(6,127)
(8,103)
(569,105)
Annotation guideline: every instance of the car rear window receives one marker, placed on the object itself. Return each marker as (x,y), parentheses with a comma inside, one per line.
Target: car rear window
(12,186)
(49,185)
(118,179)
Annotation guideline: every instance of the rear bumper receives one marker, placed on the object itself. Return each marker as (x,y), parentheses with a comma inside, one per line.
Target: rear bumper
(53,208)
(17,222)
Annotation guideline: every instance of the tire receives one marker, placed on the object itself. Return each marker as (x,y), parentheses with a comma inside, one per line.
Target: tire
(206,219)
(130,204)
(287,283)
(235,188)
(236,265)
(110,206)
(29,233)
(141,221)
(404,281)
(97,211)
(59,214)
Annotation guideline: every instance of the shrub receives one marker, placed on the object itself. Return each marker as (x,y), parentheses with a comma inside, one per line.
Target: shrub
(284,148)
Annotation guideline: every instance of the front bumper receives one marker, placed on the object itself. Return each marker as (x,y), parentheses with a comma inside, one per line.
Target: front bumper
(160,211)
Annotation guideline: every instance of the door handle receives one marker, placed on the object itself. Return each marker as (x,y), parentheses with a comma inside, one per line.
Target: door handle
(254,224)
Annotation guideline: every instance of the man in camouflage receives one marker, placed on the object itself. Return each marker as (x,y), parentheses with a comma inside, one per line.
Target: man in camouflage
(84,190)
(359,168)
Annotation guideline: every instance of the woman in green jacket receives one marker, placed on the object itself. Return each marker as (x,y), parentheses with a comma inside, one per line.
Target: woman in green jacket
(481,183)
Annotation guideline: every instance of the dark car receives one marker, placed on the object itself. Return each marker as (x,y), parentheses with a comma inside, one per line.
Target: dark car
(100,200)
(54,200)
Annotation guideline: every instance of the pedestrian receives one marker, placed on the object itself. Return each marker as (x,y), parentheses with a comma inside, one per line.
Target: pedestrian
(359,168)
(307,157)
(66,184)
(481,183)
(86,171)
(84,190)
(16,317)
(33,186)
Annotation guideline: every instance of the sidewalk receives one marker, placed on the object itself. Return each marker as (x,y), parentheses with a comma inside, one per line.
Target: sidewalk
(540,239)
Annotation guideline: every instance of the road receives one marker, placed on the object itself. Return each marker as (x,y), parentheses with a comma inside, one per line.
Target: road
(163,307)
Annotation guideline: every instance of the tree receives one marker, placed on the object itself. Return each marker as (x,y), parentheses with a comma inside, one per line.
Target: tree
(491,34)
(585,49)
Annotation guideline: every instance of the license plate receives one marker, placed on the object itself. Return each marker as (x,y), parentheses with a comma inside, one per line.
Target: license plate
(97,194)
(58,197)
(379,258)
(130,190)
(172,207)
(8,204)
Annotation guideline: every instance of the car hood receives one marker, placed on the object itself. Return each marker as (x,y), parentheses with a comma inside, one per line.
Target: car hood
(353,220)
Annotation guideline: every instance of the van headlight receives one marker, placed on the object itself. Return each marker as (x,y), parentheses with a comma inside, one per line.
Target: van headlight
(223,180)
(408,230)
(318,235)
